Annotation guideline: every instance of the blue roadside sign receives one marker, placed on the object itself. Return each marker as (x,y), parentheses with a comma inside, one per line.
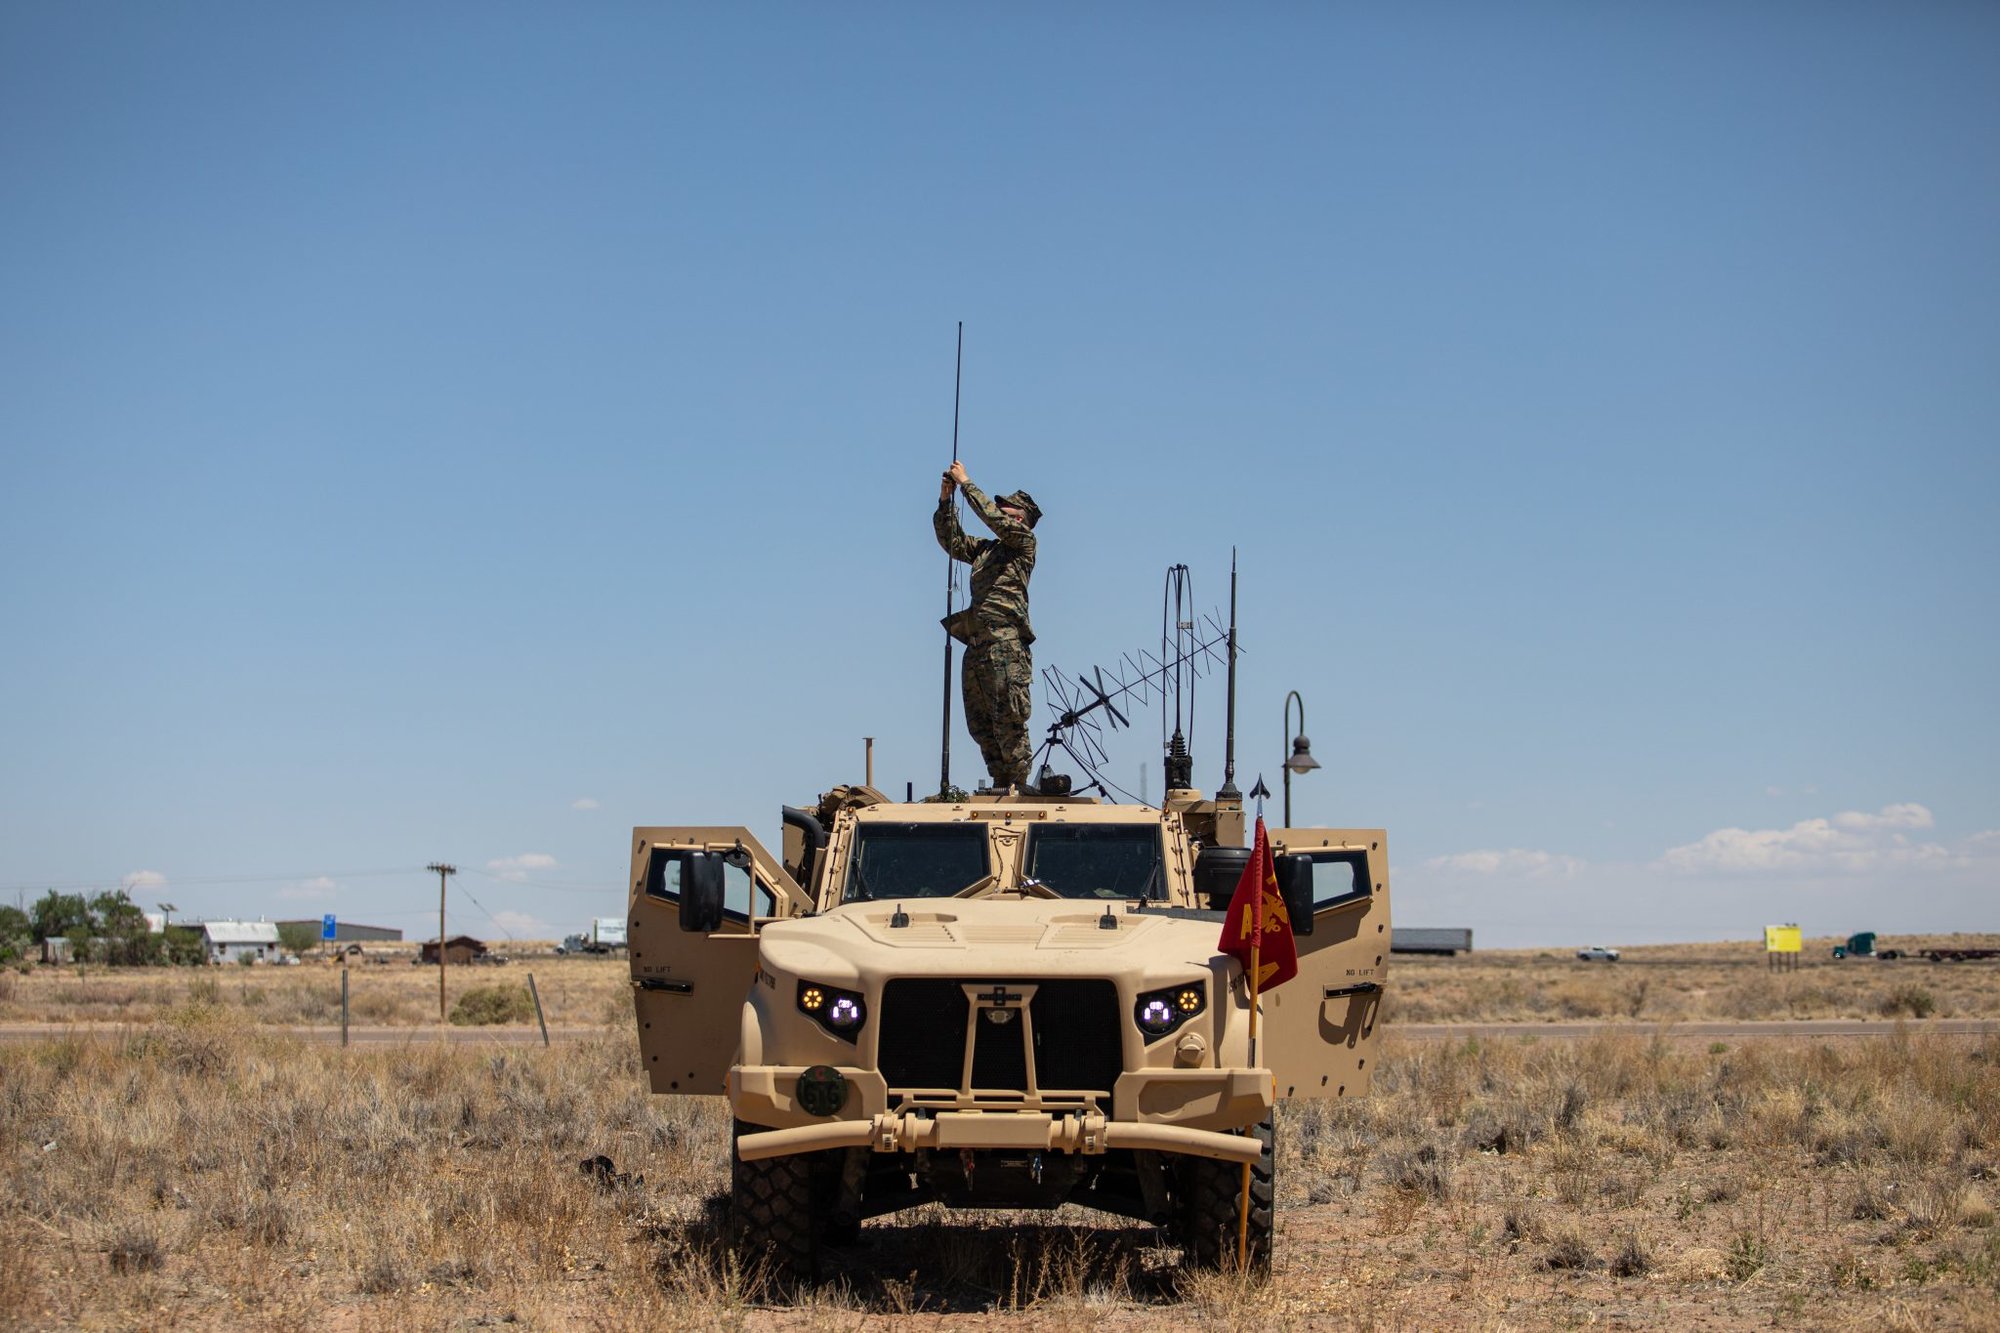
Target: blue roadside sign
(326,927)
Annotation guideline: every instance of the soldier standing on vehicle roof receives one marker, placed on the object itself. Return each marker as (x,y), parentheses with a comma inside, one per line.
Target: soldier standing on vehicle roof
(999,672)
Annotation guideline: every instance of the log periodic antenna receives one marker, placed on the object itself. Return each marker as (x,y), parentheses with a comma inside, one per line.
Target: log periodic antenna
(1088,704)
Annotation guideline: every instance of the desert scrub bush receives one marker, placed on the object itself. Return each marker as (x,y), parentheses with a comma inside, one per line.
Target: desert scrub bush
(1570,1249)
(195,1038)
(1908,999)
(1747,1255)
(136,1247)
(1633,1258)
(483,1006)
(1425,1169)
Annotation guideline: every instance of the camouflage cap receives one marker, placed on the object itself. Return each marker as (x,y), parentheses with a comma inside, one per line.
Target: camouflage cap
(1023,501)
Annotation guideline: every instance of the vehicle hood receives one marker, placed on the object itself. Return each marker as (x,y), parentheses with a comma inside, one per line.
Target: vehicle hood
(991,936)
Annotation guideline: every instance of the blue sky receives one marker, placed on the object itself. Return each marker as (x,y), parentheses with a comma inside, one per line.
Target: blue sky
(467,431)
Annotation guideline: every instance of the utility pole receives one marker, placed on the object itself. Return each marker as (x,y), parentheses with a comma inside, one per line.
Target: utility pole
(444,872)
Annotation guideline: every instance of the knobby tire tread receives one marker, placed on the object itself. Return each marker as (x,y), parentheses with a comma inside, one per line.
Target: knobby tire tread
(1212,1203)
(772,1212)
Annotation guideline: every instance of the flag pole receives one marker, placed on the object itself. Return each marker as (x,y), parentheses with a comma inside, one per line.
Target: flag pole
(1256,1003)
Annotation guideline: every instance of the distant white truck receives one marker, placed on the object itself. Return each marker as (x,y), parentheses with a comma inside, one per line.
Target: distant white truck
(607,933)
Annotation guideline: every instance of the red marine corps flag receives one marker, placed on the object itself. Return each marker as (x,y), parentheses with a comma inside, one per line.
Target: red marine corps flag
(1257,931)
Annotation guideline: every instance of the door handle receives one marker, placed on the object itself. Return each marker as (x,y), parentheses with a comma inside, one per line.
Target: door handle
(1358,988)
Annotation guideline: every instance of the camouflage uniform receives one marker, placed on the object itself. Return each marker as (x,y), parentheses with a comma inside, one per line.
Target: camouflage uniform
(999,673)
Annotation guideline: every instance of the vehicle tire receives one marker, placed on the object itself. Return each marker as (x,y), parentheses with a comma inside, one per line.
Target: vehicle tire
(776,1206)
(1211,1203)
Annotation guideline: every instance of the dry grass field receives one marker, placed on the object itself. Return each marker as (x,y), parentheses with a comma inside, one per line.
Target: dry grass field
(576,992)
(1650,985)
(199,1169)
(1655,984)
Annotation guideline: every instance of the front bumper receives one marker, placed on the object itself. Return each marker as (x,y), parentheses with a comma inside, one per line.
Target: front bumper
(1202,1099)
(1085,1132)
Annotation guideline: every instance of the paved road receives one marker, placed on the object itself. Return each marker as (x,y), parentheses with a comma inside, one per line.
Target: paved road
(1814,1029)
(1817,1029)
(358,1036)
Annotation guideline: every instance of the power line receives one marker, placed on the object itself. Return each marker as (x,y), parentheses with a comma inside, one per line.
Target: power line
(542,884)
(489,916)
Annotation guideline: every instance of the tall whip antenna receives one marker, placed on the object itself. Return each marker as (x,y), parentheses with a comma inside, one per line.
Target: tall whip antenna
(1228,789)
(950,579)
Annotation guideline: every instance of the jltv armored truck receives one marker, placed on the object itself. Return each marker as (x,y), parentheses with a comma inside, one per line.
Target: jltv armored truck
(1001,1002)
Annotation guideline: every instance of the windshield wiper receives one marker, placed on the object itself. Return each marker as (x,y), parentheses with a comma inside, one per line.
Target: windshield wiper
(977,887)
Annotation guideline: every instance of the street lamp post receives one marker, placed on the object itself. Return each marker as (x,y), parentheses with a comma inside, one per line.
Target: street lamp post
(1301,759)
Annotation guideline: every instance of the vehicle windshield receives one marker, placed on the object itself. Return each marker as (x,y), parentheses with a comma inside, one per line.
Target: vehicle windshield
(1096,860)
(915,861)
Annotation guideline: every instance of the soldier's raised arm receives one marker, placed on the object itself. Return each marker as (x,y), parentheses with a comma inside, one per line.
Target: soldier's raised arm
(945,523)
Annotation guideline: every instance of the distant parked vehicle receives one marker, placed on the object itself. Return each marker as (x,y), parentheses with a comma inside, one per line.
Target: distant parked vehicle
(606,934)
(1862,945)
(1598,953)
(1446,941)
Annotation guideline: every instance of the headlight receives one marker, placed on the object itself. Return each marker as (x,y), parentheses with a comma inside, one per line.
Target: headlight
(841,1012)
(1159,1012)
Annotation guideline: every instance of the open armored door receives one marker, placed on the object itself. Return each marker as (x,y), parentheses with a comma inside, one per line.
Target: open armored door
(689,984)
(1319,1027)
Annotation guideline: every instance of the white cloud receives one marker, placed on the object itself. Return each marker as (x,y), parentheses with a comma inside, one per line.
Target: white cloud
(1982,846)
(1851,842)
(523,925)
(516,868)
(144,879)
(318,887)
(1891,816)
(584,803)
(1517,861)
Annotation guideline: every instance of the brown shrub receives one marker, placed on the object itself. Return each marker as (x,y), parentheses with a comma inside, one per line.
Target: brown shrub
(1908,999)
(483,1006)
(1569,1250)
(1633,1258)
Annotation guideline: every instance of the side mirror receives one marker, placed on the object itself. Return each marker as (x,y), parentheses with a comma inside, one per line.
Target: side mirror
(1295,882)
(1216,870)
(701,892)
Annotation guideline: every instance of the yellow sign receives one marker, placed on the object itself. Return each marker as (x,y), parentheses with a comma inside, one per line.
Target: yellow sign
(1781,939)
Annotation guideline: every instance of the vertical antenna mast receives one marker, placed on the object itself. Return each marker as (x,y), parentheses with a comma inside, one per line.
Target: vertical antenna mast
(1228,790)
(950,580)
(1176,654)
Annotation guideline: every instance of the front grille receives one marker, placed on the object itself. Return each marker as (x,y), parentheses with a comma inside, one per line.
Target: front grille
(1077,1027)
(1077,1035)
(923,1033)
(999,1056)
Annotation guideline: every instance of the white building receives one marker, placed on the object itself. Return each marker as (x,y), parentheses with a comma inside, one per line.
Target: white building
(234,941)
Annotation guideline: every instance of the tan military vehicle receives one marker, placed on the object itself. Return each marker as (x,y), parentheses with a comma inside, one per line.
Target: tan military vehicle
(1006,1002)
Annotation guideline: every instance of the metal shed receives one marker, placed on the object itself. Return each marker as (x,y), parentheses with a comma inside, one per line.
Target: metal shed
(234,941)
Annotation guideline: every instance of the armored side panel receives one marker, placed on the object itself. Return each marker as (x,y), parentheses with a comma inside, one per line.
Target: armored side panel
(689,986)
(1319,1028)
